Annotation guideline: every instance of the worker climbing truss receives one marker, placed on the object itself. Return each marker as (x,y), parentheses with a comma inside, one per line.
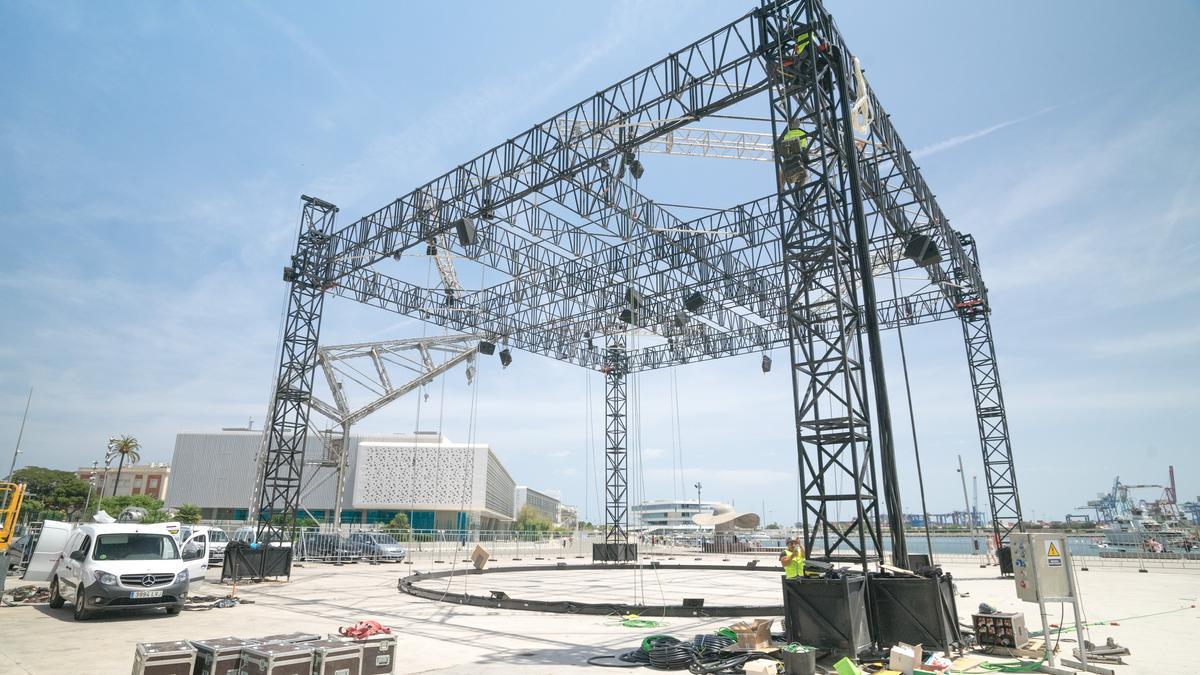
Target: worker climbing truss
(577,259)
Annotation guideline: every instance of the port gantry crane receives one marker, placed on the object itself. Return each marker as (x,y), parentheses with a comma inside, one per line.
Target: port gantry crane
(586,261)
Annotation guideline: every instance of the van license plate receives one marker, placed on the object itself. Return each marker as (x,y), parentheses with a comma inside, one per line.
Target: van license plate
(145,594)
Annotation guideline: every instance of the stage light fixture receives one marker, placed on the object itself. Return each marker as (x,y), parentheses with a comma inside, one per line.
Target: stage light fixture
(466,231)
(487,348)
(922,249)
(505,358)
(766,364)
(694,302)
(636,169)
(431,250)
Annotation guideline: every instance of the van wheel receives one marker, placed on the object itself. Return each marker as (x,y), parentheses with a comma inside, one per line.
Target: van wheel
(56,598)
(81,614)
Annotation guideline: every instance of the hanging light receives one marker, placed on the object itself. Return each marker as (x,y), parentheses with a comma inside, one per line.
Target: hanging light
(766,364)
(429,250)
(505,357)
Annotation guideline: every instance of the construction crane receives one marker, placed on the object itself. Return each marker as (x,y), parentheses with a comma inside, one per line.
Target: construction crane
(12,495)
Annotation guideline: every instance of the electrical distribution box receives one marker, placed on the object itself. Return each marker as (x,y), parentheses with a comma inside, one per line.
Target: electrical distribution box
(1001,630)
(1040,567)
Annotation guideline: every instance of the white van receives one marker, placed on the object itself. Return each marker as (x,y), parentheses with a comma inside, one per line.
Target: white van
(126,566)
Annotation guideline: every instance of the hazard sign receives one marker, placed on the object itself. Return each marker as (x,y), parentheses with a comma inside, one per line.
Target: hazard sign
(1053,555)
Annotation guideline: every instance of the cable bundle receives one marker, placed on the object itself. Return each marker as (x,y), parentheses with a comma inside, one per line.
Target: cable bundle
(705,644)
(668,653)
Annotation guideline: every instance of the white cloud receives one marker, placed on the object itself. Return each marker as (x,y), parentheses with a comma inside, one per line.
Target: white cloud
(956,141)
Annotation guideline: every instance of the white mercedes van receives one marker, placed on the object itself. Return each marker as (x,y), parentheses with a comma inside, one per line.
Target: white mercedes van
(122,566)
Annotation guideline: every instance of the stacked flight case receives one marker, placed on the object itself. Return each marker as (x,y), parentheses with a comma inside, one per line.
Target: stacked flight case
(378,653)
(336,657)
(220,656)
(164,658)
(279,658)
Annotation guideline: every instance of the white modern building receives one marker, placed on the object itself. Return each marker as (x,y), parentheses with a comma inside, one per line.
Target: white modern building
(439,484)
(667,516)
(543,504)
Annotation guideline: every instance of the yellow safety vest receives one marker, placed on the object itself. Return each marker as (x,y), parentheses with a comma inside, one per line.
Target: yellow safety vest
(793,565)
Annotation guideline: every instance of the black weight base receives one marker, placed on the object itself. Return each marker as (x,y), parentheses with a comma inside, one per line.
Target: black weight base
(614,552)
(914,610)
(829,614)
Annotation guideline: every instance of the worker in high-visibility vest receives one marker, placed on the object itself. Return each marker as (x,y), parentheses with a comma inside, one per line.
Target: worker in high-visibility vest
(792,559)
(793,155)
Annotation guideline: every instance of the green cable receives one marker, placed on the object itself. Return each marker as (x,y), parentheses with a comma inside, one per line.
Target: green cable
(649,640)
(642,623)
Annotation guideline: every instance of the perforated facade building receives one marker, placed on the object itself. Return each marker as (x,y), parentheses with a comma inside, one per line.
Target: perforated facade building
(437,483)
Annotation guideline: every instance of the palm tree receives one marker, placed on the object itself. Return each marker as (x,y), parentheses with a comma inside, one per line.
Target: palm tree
(127,448)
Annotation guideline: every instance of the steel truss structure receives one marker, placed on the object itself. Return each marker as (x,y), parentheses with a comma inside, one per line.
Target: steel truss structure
(414,357)
(585,261)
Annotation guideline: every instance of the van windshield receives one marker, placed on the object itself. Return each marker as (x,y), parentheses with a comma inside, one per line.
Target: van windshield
(217,535)
(135,546)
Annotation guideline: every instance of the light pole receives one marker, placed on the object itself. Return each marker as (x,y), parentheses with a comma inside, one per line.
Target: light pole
(91,486)
(17,450)
(697,486)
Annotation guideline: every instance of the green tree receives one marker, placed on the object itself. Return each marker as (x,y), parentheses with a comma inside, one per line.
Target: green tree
(113,506)
(125,447)
(158,516)
(188,514)
(51,490)
(400,522)
(528,520)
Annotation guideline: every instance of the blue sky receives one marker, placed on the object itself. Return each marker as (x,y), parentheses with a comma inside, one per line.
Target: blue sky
(152,156)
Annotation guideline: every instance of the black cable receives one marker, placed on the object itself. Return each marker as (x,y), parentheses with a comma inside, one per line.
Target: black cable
(707,643)
(728,663)
(912,424)
(596,661)
(668,653)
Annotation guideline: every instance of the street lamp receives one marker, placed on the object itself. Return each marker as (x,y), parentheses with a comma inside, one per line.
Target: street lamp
(697,486)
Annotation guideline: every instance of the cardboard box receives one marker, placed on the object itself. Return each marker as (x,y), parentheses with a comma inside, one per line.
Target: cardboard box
(164,658)
(479,557)
(904,658)
(753,636)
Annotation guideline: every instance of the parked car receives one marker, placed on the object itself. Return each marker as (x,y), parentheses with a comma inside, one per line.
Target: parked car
(217,540)
(377,546)
(122,566)
(249,535)
(326,546)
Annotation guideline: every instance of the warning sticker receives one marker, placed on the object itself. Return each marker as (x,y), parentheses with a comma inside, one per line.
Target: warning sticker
(1053,555)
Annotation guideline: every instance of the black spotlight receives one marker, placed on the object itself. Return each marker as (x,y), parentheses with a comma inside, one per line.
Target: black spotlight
(766,363)
(922,249)
(626,316)
(289,274)
(431,250)
(466,231)
(487,348)
(505,357)
(634,298)
(636,169)
(694,302)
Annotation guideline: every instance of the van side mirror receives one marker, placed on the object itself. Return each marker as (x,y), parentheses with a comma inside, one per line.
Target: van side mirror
(77,555)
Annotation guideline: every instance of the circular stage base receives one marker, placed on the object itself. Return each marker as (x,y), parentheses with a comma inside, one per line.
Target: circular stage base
(651,590)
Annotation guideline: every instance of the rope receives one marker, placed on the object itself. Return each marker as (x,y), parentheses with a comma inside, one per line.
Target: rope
(912,419)
(861,114)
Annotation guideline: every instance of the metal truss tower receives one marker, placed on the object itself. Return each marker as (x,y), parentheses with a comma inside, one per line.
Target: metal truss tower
(547,212)
(287,428)
(616,483)
(998,469)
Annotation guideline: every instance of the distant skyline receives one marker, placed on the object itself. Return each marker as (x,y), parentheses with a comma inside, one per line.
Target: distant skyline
(152,156)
